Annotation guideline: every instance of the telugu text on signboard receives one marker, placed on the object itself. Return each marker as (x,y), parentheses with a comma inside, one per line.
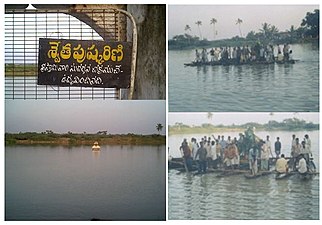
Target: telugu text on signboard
(84,63)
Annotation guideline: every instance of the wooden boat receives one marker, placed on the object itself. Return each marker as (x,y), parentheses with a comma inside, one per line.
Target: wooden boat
(177,164)
(227,173)
(306,176)
(96,147)
(286,62)
(300,176)
(260,174)
(281,176)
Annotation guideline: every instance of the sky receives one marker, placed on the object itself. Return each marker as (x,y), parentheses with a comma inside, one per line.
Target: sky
(91,116)
(238,118)
(253,16)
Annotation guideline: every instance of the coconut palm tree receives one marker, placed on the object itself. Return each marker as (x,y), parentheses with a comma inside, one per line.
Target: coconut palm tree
(273,30)
(187,28)
(199,23)
(239,22)
(214,21)
(159,127)
(265,29)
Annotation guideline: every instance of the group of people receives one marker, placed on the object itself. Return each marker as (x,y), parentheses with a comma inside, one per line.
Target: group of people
(212,152)
(244,54)
(300,156)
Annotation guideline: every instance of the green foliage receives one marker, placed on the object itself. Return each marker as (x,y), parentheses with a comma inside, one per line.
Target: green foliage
(51,138)
(311,23)
(268,34)
(292,124)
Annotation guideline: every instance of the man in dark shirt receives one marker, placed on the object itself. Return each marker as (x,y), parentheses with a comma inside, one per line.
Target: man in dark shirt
(278,147)
(202,153)
(187,159)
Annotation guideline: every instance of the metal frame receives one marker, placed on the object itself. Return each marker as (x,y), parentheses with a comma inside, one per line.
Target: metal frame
(24,48)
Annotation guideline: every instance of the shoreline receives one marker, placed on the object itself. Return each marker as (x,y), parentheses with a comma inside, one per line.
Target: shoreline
(218,130)
(82,139)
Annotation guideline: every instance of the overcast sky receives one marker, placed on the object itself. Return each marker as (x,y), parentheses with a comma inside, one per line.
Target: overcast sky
(116,117)
(237,118)
(253,16)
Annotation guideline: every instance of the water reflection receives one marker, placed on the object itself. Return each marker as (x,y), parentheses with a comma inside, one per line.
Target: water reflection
(78,184)
(96,154)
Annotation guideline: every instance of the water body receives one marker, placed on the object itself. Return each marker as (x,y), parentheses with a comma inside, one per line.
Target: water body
(256,88)
(58,183)
(235,197)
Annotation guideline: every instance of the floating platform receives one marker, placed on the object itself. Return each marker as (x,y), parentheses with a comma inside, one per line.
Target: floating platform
(232,62)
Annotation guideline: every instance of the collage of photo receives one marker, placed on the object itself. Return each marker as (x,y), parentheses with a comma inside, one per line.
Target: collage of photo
(161,112)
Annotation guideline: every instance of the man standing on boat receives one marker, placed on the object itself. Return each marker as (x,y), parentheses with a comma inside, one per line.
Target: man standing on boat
(202,153)
(212,55)
(296,152)
(293,143)
(187,160)
(223,144)
(252,157)
(286,49)
(278,147)
(197,56)
(204,55)
(269,145)
(266,152)
(307,151)
(219,154)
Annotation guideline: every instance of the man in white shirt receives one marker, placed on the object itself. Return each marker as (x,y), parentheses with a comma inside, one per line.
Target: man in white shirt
(266,152)
(307,143)
(302,167)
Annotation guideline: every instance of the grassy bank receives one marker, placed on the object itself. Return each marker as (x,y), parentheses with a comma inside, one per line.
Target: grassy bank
(202,130)
(82,139)
(293,124)
(21,69)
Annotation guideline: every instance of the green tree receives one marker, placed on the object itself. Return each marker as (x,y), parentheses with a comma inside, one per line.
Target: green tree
(239,22)
(213,21)
(159,127)
(251,35)
(311,23)
(199,23)
(265,29)
(187,28)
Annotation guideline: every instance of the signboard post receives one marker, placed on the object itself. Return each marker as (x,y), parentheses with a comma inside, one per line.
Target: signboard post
(79,63)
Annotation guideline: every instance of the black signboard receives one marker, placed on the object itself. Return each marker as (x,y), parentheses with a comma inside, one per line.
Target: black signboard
(84,63)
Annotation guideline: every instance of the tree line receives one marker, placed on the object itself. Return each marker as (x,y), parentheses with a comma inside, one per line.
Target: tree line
(292,124)
(268,34)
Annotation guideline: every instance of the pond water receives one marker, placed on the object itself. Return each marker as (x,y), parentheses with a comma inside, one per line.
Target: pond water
(58,183)
(207,196)
(256,88)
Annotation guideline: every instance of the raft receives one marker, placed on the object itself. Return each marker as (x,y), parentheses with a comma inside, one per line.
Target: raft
(232,62)
(260,174)
(227,173)
(306,176)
